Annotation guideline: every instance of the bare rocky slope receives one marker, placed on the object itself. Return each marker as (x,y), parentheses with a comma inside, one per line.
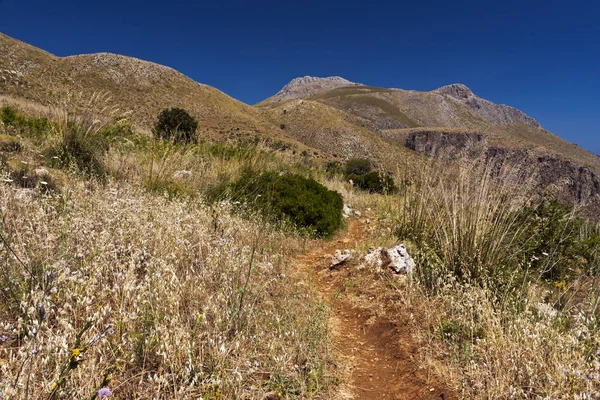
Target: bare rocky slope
(307,86)
(326,118)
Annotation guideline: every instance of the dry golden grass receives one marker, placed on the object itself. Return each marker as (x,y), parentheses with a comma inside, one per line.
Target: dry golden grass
(152,293)
(163,299)
(491,337)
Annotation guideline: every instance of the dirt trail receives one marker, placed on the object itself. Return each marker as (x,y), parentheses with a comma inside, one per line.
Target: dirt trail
(380,356)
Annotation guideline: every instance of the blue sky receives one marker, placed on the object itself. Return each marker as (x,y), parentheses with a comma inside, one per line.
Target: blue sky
(540,56)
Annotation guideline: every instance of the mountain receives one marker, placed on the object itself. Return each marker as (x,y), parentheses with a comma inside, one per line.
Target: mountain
(452,122)
(307,86)
(326,118)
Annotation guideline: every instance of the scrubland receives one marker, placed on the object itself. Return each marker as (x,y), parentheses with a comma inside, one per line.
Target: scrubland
(118,272)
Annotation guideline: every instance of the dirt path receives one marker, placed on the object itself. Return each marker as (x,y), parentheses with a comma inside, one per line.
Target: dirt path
(380,356)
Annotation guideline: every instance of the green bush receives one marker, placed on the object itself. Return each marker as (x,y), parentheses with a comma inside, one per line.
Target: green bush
(358,166)
(8,115)
(288,198)
(551,238)
(176,124)
(334,168)
(375,182)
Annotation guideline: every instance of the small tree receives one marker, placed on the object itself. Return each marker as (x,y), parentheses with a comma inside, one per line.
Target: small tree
(176,124)
(358,166)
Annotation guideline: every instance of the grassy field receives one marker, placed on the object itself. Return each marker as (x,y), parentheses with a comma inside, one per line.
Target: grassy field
(118,273)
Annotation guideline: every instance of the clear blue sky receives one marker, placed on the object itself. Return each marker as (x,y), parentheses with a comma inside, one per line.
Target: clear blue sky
(540,56)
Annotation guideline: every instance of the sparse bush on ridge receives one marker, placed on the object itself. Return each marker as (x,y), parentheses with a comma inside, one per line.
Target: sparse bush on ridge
(302,202)
(176,124)
(35,128)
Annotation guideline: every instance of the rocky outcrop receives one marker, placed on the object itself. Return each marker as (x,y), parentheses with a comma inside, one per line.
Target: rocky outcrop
(499,114)
(576,184)
(307,86)
(446,145)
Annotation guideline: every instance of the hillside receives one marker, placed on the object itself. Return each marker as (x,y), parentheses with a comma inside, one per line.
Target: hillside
(456,114)
(262,262)
(325,118)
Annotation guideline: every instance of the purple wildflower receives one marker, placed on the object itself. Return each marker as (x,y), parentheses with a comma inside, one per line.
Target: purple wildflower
(104,392)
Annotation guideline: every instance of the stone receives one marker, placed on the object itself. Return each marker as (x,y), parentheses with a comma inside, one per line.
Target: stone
(347,210)
(181,174)
(341,257)
(395,258)
(41,171)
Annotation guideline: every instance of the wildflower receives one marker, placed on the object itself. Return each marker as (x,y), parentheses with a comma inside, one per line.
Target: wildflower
(104,392)
(75,353)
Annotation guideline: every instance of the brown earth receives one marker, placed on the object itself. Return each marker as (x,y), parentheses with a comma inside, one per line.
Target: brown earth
(376,351)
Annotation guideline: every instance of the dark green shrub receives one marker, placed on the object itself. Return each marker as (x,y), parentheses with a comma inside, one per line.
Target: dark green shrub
(176,124)
(8,115)
(375,182)
(288,198)
(358,166)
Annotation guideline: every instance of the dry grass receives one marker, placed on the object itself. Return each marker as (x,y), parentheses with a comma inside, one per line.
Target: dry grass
(150,292)
(168,299)
(486,324)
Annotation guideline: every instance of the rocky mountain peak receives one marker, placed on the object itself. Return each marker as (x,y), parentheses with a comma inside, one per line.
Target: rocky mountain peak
(456,90)
(308,86)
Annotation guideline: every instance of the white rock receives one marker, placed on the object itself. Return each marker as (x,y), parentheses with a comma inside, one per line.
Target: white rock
(357,213)
(374,258)
(41,171)
(340,257)
(400,261)
(347,210)
(184,173)
(395,258)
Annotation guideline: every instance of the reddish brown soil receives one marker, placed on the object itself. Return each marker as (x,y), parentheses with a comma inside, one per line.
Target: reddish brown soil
(379,353)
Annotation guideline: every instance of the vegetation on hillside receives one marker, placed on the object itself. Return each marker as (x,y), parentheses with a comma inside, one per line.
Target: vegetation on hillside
(132,282)
(291,199)
(503,274)
(117,273)
(176,124)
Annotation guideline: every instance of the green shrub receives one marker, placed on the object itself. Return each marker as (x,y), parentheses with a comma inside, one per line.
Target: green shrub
(176,124)
(358,166)
(550,238)
(334,168)
(375,182)
(288,198)
(8,115)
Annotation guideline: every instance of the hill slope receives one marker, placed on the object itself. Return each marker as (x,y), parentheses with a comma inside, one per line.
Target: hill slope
(322,117)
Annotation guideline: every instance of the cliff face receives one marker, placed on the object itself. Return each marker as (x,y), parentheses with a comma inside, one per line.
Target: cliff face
(572,183)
